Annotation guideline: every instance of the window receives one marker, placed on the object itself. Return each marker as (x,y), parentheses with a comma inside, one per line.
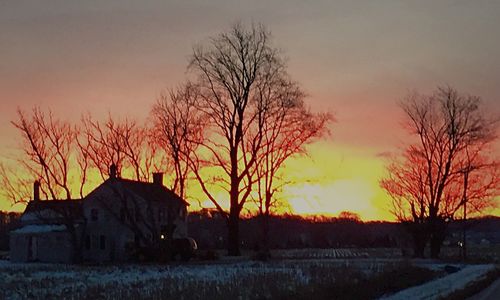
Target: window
(102,242)
(94,214)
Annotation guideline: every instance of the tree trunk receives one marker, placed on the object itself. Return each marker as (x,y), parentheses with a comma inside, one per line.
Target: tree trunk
(263,243)
(233,222)
(436,243)
(265,233)
(419,242)
(233,228)
(419,236)
(438,233)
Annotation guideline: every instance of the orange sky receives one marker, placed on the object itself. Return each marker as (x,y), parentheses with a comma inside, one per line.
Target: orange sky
(355,59)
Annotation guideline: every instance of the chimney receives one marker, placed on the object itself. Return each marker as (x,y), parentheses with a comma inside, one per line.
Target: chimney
(158,178)
(36,190)
(112,171)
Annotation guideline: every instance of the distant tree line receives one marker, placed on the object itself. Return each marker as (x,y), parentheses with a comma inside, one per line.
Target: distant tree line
(295,232)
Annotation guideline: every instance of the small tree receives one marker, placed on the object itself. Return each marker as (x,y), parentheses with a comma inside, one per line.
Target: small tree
(47,145)
(178,129)
(125,144)
(287,128)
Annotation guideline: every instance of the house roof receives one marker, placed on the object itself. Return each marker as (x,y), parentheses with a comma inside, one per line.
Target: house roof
(70,206)
(43,228)
(73,208)
(147,190)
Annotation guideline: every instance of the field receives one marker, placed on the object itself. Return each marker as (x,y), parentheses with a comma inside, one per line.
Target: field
(297,274)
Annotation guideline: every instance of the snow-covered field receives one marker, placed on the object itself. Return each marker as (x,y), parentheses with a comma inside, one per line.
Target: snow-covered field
(203,280)
(320,253)
(239,280)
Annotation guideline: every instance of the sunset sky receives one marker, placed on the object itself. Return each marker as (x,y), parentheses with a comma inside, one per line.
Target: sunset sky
(353,58)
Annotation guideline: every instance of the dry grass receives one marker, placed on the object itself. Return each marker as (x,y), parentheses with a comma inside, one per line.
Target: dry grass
(321,279)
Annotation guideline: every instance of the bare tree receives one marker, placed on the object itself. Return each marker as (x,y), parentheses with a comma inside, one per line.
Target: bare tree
(125,144)
(427,184)
(235,69)
(16,186)
(178,131)
(47,145)
(287,129)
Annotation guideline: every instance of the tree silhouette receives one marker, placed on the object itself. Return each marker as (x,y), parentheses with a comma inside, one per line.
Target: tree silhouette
(432,179)
(123,143)
(178,129)
(235,70)
(286,130)
(349,215)
(48,143)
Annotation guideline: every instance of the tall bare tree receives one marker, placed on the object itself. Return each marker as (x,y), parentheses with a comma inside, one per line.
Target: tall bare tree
(233,71)
(427,184)
(178,131)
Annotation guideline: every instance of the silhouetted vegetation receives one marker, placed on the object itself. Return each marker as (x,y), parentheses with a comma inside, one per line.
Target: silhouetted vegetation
(292,231)
(254,119)
(447,169)
(289,231)
(8,222)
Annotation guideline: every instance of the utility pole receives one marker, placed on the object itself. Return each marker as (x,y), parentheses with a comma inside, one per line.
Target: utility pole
(466,172)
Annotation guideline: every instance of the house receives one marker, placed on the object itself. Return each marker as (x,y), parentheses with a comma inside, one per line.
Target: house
(111,223)
(46,230)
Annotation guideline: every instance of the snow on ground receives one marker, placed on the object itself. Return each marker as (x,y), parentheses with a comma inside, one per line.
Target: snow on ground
(207,279)
(184,281)
(40,281)
(319,253)
(444,286)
